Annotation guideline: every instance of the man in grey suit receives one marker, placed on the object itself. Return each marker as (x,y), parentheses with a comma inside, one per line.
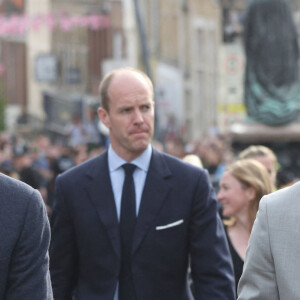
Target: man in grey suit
(272,265)
(24,242)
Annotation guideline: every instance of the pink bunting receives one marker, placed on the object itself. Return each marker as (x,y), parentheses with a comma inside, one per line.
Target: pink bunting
(19,24)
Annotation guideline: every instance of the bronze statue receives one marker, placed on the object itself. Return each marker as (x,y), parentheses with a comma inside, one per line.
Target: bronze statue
(272,87)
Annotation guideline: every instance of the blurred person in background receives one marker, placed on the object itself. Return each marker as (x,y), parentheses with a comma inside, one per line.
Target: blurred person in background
(215,153)
(241,188)
(7,168)
(174,148)
(60,160)
(94,137)
(264,155)
(6,148)
(285,178)
(23,165)
(80,154)
(193,159)
(40,148)
(76,131)
(63,159)
(6,164)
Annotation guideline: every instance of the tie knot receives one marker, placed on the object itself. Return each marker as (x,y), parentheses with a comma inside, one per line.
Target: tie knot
(128,168)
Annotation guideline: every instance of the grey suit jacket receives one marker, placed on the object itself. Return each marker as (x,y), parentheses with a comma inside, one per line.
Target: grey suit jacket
(272,265)
(24,242)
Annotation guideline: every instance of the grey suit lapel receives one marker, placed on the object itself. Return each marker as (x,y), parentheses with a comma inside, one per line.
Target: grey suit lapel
(100,192)
(155,192)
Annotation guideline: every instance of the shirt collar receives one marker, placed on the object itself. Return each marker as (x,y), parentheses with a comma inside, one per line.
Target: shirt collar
(142,161)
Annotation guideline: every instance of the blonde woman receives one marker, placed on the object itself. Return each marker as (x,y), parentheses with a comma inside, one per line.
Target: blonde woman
(264,155)
(241,187)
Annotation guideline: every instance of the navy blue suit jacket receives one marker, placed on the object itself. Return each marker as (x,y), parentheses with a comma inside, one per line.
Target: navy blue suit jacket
(177,224)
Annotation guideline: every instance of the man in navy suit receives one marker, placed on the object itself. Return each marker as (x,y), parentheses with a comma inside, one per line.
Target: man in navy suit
(176,224)
(24,242)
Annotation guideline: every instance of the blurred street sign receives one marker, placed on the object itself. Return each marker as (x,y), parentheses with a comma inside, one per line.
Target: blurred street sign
(73,75)
(46,68)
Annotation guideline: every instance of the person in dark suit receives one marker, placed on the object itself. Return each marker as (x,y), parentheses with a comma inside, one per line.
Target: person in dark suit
(25,238)
(100,252)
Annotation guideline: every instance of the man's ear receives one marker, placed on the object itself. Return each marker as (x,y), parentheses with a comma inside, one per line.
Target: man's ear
(104,116)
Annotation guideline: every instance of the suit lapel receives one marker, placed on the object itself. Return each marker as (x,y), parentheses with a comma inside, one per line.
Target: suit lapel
(100,192)
(155,192)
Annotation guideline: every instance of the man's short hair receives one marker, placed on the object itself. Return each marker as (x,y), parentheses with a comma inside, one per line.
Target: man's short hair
(106,81)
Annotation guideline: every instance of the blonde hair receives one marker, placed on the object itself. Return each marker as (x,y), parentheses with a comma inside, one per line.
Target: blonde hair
(258,150)
(251,173)
(193,159)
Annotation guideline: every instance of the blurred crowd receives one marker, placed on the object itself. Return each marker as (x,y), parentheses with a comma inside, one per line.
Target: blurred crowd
(37,160)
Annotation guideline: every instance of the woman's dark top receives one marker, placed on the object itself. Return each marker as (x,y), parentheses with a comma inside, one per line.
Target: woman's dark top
(237,261)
